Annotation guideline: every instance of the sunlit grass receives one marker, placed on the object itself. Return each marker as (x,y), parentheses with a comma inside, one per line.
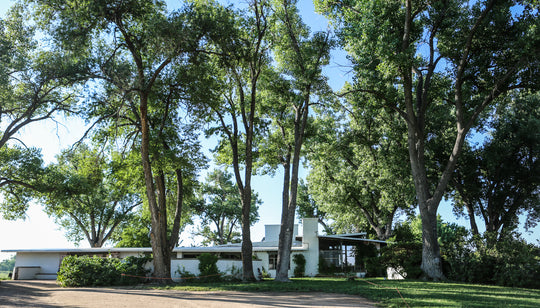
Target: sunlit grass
(4,275)
(415,293)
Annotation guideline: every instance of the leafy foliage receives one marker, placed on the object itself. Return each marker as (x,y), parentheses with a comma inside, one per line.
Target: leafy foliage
(299,265)
(510,262)
(7,265)
(208,267)
(307,207)
(410,58)
(135,232)
(473,259)
(298,83)
(404,254)
(221,209)
(499,179)
(183,273)
(92,193)
(80,271)
(22,177)
(236,107)
(358,176)
(143,76)
(36,83)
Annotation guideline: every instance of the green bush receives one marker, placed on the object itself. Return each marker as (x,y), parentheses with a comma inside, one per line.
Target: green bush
(134,269)
(233,274)
(366,258)
(80,271)
(300,265)
(404,257)
(506,262)
(185,275)
(7,265)
(208,267)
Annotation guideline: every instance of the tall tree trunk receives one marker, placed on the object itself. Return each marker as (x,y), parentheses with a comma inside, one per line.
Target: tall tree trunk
(287,217)
(160,249)
(247,246)
(175,233)
(472,219)
(284,248)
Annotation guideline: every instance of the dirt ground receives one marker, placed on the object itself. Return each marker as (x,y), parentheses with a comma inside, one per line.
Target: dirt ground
(42,293)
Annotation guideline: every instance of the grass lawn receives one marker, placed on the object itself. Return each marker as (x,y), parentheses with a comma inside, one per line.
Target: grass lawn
(415,293)
(3,275)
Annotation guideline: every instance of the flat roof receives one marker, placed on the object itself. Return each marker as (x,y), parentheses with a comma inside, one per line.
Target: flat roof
(347,238)
(96,250)
(148,249)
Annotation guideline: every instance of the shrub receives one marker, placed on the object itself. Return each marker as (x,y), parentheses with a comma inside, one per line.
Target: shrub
(508,262)
(134,268)
(80,271)
(208,267)
(366,258)
(185,275)
(404,257)
(234,274)
(300,265)
(264,273)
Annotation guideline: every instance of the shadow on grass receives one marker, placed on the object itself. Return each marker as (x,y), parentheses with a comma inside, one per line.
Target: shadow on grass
(430,294)
(415,293)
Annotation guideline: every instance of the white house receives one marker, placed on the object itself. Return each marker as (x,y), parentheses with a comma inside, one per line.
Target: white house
(335,250)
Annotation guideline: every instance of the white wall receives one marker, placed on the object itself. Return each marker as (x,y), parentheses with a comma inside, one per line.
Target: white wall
(225,266)
(310,227)
(271,232)
(49,262)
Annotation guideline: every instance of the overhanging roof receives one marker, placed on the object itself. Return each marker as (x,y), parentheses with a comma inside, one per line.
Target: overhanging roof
(347,238)
(83,250)
(224,248)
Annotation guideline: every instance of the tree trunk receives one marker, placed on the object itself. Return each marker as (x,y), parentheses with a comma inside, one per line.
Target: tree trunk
(158,234)
(247,246)
(175,233)
(287,217)
(431,255)
(284,246)
(472,219)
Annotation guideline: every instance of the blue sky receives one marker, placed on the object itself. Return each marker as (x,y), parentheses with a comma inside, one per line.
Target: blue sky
(39,231)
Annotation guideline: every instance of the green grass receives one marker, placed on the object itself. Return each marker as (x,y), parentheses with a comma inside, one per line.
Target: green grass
(415,293)
(4,275)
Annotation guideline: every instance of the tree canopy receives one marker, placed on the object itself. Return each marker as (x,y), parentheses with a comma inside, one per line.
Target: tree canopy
(221,209)
(151,83)
(411,57)
(92,193)
(499,180)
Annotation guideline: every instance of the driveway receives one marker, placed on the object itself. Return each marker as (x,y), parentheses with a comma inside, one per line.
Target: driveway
(45,293)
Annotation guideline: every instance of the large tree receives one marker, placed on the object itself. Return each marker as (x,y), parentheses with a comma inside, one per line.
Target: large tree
(221,209)
(358,175)
(92,193)
(412,56)
(142,59)
(500,178)
(237,108)
(300,58)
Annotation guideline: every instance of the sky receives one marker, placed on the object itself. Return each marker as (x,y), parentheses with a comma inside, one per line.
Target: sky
(40,231)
